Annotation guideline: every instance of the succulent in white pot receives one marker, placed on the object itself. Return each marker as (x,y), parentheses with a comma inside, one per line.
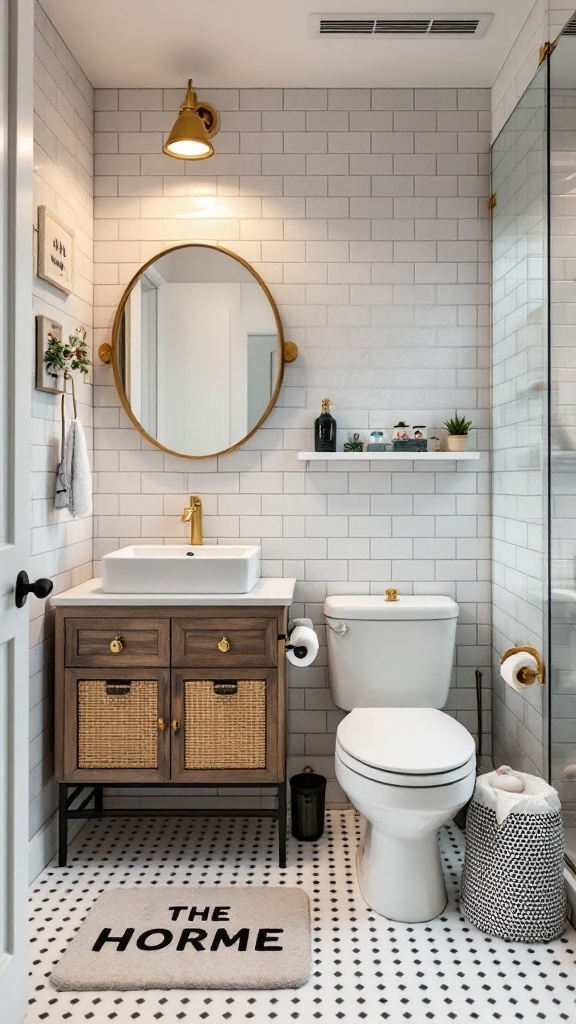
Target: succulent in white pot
(457,438)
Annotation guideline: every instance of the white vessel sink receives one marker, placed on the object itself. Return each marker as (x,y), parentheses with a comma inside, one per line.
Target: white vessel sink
(178,569)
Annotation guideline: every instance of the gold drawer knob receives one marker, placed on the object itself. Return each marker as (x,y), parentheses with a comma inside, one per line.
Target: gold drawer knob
(175,725)
(117,644)
(161,724)
(224,645)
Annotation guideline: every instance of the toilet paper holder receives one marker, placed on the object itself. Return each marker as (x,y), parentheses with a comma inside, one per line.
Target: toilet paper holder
(527,676)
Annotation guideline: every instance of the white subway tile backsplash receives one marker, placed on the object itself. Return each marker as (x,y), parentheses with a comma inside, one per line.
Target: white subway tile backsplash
(341,199)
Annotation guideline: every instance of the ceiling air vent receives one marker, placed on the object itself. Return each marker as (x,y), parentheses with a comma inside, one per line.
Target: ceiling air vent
(454,27)
(570,29)
(399,26)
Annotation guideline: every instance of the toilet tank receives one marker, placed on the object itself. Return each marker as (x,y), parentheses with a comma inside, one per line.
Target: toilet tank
(390,653)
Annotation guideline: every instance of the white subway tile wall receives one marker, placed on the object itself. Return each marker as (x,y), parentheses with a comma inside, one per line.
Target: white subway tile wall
(519,380)
(365,213)
(61,548)
(544,23)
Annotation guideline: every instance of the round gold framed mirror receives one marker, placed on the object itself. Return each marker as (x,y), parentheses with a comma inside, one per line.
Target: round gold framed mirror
(197,351)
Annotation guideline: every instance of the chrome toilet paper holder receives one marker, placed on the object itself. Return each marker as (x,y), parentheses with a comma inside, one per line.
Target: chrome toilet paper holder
(527,676)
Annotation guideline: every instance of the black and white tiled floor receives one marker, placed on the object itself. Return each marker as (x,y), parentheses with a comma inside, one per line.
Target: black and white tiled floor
(365,968)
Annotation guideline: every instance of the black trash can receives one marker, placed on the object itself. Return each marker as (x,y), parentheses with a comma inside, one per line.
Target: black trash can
(308,795)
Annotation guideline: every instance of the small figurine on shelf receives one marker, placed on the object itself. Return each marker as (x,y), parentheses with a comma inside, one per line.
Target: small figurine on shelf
(376,442)
(401,437)
(353,444)
(419,441)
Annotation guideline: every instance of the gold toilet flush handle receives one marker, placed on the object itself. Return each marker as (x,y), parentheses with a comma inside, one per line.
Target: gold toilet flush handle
(527,676)
(391,594)
(224,645)
(117,644)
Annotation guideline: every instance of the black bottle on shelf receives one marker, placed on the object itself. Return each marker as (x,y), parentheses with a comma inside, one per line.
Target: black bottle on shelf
(325,429)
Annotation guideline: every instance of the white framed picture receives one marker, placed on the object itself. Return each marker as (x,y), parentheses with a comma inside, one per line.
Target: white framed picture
(55,251)
(47,332)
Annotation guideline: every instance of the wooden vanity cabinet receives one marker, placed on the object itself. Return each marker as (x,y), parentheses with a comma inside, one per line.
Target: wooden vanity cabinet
(158,696)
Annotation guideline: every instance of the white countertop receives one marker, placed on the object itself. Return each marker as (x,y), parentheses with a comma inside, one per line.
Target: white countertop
(272,591)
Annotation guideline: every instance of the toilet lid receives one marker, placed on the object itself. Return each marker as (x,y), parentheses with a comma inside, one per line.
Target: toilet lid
(411,741)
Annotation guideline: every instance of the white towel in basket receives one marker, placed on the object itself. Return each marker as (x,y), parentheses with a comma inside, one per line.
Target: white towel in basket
(538,797)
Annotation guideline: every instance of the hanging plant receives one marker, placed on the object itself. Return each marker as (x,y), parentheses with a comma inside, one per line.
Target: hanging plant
(61,357)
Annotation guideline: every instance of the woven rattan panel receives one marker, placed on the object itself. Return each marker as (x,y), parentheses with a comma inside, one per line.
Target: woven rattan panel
(225,731)
(117,730)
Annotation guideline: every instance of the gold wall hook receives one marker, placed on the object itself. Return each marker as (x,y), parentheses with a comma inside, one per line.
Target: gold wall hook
(290,351)
(527,676)
(105,353)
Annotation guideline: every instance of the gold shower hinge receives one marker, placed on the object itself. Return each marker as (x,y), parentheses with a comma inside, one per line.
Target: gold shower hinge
(545,50)
(492,200)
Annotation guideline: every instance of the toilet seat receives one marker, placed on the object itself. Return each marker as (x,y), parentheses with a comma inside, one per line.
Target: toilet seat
(411,747)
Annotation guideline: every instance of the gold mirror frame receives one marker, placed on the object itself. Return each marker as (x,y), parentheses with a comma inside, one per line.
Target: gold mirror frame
(115,335)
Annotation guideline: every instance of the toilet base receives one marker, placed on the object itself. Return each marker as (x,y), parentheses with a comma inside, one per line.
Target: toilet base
(400,878)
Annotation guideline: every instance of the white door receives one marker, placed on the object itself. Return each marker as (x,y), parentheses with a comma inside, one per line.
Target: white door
(16,57)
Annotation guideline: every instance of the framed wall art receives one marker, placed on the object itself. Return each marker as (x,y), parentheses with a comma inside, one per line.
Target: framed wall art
(47,332)
(55,251)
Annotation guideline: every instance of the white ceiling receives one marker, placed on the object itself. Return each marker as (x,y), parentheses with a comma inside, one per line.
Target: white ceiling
(258,43)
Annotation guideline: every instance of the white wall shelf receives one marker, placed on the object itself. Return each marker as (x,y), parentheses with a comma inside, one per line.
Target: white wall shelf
(388,456)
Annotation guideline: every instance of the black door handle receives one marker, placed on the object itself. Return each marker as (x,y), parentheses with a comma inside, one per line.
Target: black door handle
(41,588)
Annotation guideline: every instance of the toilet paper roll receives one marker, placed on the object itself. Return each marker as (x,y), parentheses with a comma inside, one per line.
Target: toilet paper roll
(302,638)
(510,668)
(300,622)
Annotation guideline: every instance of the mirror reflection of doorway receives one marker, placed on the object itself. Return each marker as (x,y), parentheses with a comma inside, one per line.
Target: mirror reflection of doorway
(262,373)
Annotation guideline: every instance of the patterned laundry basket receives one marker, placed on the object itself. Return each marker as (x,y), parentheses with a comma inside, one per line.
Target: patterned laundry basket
(513,885)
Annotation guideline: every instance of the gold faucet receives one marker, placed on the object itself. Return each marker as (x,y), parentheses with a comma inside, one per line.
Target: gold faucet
(193,515)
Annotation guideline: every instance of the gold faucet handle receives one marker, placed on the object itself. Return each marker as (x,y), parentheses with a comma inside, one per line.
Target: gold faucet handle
(391,594)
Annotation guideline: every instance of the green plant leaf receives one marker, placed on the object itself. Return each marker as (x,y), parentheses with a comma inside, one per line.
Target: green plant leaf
(458,425)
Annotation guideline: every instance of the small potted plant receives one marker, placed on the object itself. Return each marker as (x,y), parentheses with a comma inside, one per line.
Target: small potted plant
(457,427)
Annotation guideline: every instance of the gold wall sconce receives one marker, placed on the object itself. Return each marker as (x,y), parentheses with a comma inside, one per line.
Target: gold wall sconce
(196,124)
(527,676)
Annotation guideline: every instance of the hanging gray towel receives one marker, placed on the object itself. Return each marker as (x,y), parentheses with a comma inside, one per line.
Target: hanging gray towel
(62,486)
(78,472)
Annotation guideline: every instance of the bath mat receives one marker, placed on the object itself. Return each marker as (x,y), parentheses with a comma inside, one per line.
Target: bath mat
(225,937)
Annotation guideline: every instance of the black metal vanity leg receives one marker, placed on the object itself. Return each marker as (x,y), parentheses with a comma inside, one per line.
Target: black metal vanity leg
(98,798)
(282,813)
(62,825)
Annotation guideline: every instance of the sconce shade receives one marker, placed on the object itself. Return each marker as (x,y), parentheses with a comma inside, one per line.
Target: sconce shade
(195,125)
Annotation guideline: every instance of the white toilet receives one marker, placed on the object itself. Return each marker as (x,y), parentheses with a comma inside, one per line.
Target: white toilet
(404,764)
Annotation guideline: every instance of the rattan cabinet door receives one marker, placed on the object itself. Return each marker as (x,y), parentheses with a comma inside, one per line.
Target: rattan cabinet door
(225,726)
(116,726)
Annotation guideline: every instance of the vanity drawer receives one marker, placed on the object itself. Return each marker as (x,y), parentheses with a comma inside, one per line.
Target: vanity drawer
(117,641)
(247,641)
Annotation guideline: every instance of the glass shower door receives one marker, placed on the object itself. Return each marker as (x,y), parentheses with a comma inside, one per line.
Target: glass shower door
(562,675)
(519,422)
